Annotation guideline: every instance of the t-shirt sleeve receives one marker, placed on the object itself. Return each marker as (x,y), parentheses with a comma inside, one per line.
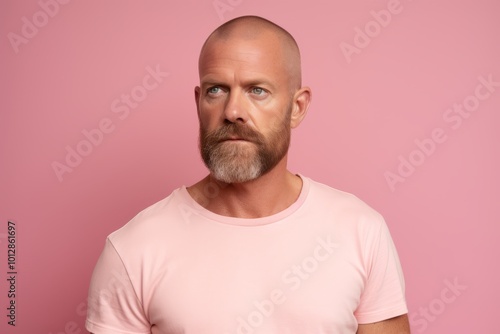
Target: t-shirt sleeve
(113,304)
(383,296)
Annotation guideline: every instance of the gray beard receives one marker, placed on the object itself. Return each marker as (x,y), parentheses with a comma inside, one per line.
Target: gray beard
(235,164)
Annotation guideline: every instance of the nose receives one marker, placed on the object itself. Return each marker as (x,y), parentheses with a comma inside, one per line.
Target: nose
(236,108)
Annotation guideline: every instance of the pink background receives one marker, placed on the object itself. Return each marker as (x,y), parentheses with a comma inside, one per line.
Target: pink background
(367,112)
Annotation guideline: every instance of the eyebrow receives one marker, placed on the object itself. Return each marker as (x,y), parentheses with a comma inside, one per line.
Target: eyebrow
(249,83)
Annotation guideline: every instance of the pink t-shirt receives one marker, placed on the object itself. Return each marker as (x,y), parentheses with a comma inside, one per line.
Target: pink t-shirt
(323,265)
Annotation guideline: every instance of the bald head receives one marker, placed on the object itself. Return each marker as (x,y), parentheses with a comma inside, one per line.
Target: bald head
(255,29)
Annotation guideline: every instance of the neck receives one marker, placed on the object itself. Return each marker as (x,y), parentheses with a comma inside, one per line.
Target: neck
(267,195)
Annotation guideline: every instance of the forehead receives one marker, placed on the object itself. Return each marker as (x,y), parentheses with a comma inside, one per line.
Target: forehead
(243,57)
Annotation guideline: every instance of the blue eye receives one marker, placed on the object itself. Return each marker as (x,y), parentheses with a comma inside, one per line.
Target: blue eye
(258,90)
(213,90)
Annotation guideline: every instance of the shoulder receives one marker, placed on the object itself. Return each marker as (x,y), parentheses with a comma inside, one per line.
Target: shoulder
(324,197)
(158,219)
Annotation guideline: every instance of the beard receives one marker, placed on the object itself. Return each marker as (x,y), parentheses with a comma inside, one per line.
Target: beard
(237,162)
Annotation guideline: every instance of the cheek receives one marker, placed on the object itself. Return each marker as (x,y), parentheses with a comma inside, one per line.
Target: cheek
(275,118)
(209,115)
(204,119)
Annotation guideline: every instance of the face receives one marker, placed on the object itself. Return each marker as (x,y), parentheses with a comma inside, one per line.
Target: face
(244,107)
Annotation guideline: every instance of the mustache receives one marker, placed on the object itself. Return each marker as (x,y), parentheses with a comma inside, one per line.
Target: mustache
(231,130)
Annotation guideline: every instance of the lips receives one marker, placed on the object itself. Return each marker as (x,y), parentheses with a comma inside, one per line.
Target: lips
(232,139)
(234,133)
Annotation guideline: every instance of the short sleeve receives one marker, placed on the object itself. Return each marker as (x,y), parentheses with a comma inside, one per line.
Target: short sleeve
(383,296)
(113,305)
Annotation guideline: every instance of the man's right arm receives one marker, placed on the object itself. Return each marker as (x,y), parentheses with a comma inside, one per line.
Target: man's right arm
(396,325)
(112,302)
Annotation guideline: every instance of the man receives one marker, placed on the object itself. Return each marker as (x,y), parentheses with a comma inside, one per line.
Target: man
(251,248)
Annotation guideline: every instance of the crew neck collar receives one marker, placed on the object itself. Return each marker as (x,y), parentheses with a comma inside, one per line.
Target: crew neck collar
(248,221)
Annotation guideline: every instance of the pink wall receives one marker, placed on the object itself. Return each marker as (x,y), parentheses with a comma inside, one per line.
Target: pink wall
(384,124)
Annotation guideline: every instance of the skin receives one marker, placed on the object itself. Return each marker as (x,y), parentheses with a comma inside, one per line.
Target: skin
(236,65)
(256,78)
(397,325)
(243,63)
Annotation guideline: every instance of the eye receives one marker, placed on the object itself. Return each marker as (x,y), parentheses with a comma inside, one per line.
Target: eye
(213,90)
(258,91)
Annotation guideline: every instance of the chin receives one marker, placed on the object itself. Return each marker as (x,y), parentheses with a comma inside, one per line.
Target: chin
(237,174)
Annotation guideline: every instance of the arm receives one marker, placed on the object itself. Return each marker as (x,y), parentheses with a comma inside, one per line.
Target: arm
(396,325)
(113,304)
(382,308)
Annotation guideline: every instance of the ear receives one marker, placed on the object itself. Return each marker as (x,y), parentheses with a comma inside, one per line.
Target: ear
(301,100)
(197,99)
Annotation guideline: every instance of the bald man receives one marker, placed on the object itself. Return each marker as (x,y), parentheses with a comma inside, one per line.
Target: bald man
(252,247)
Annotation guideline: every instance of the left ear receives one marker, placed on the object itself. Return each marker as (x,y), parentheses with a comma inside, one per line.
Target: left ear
(301,100)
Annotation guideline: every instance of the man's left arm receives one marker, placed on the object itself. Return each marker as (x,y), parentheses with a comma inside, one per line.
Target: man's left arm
(382,308)
(396,325)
